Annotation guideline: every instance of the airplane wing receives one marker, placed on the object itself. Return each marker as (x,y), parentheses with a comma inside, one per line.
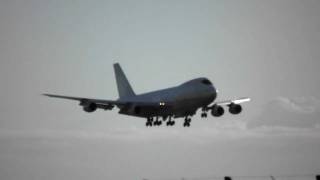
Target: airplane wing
(143,108)
(236,101)
(102,104)
(101,101)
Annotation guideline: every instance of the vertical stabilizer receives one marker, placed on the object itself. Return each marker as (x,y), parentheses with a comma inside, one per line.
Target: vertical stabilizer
(124,87)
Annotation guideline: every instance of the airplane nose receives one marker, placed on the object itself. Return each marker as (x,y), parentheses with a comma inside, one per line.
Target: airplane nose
(214,92)
(214,89)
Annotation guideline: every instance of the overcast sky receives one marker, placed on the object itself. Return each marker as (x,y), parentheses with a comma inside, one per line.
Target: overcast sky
(267,50)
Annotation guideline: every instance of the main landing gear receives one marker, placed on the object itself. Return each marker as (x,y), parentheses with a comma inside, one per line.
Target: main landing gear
(170,122)
(187,122)
(150,122)
(157,122)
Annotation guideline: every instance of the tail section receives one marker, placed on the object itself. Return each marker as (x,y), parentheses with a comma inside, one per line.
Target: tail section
(124,87)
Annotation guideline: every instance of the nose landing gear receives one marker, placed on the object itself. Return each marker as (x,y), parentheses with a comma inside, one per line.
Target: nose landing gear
(204,113)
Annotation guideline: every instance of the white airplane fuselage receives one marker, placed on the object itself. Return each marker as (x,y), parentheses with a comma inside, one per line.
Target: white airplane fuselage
(179,101)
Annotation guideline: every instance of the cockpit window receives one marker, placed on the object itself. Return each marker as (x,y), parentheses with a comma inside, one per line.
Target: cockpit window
(206,82)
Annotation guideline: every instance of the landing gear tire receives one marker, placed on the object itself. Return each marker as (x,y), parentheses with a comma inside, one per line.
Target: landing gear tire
(187,122)
(171,123)
(148,124)
(149,121)
(157,123)
(204,115)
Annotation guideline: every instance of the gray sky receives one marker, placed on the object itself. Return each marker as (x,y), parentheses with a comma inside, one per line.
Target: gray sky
(268,50)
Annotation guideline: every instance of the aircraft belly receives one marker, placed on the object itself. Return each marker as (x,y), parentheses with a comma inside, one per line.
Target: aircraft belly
(147,111)
(187,103)
(189,106)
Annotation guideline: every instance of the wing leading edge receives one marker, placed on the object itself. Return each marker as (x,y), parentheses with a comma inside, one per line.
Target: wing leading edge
(103,104)
(109,104)
(236,101)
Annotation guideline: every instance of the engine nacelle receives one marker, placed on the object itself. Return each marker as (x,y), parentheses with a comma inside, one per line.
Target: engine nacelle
(235,108)
(90,107)
(217,111)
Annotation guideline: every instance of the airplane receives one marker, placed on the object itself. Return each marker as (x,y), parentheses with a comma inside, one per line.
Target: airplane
(181,101)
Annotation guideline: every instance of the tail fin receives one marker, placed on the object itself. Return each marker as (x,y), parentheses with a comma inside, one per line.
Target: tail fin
(124,87)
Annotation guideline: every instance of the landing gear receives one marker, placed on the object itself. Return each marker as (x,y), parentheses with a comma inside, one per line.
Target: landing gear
(204,112)
(170,122)
(187,122)
(149,121)
(204,115)
(157,122)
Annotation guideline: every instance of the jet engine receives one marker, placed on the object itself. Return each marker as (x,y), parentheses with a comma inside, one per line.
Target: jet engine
(217,111)
(235,108)
(90,107)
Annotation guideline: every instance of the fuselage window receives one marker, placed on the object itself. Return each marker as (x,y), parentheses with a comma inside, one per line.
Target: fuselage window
(207,82)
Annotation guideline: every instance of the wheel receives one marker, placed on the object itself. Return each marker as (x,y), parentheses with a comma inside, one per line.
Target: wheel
(148,124)
(157,123)
(170,123)
(186,124)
